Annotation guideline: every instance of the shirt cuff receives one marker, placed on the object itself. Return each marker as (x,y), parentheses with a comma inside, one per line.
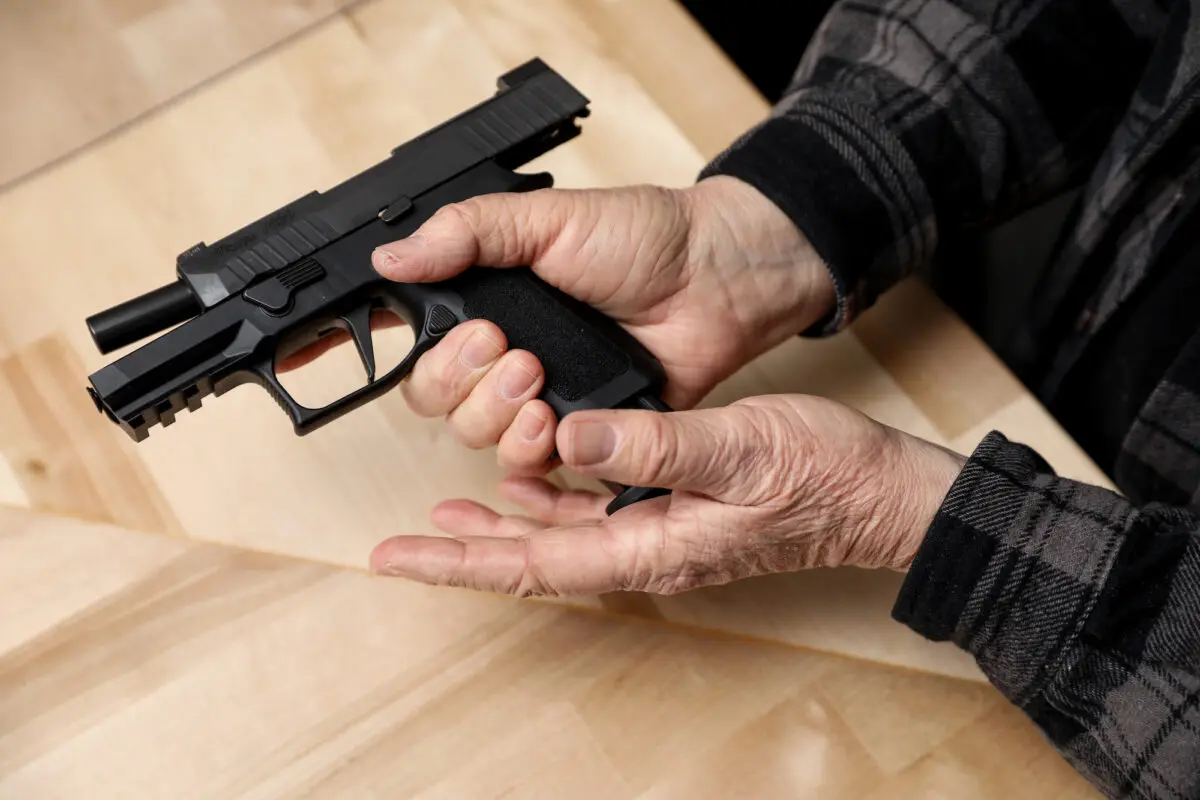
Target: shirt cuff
(849,185)
(1013,565)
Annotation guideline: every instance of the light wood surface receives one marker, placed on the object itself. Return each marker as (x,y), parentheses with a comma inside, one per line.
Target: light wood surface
(106,223)
(75,70)
(132,665)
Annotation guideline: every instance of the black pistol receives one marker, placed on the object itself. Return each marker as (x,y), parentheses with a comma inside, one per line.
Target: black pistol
(280,283)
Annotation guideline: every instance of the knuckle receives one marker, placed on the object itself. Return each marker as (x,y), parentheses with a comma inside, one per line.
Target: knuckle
(509,458)
(503,238)
(456,229)
(439,382)
(418,396)
(469,432)
(696,566)
(452,382)
(778,457)
(637,555)
(449,377)
(748,455)
(478,422)
(695,555)
(434,392)
(661,454)
(459,574)
(493,226)
(530,582)
(466,439)
(458,218)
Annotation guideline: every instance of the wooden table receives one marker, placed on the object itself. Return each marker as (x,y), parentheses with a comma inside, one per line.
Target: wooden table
(137,666)
(143,126)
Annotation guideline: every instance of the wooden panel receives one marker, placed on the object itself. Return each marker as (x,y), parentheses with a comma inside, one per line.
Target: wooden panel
(689,78)
(957,389)
(57,456)
(12,493)
(135,666)
(71,72)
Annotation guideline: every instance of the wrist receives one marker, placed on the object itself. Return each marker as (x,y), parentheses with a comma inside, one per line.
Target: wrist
(892,500)
(772,274)
(924,477)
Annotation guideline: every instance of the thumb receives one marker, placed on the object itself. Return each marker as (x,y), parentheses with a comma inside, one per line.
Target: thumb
(495,230)
(704,452)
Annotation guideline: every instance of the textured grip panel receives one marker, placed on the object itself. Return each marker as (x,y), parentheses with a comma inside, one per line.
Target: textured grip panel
(577,357)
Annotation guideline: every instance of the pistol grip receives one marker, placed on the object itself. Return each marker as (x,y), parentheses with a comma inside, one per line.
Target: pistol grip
(590,361)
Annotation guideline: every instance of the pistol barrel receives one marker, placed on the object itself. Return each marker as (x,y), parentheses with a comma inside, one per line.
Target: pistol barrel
(143,316)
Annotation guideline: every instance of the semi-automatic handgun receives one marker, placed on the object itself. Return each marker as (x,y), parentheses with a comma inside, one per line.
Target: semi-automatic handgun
(304,271)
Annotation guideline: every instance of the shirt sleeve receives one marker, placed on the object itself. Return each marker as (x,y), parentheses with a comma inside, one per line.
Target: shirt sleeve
(908,121)
(1081,608)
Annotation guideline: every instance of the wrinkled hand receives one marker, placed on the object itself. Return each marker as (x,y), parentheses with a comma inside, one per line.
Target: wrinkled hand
(706,278)
(768,484)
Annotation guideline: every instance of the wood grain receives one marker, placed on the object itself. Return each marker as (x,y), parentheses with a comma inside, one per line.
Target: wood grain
(71,72)
(106,224)
(57,455)
(137,666)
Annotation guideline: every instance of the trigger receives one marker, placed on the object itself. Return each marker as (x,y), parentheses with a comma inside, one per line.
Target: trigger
(359,323)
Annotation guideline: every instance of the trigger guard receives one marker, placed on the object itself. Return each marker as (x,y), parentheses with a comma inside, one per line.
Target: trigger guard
(633,494)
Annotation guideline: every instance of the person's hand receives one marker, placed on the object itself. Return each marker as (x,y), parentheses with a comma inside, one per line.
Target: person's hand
(768,484)
(706,278)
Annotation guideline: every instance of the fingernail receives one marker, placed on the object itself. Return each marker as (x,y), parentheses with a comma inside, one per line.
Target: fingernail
(394,558)
(530,425)
(478,351)
(387,257)
(514,381)
(592,443)
(382,562)
(393,570)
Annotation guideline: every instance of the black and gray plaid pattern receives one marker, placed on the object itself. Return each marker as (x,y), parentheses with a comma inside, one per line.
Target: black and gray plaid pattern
(1080,608)
(1042,549)
(910,119)
(1161,453)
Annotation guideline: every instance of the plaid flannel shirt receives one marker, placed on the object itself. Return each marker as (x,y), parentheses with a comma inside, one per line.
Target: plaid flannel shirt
(909,119)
